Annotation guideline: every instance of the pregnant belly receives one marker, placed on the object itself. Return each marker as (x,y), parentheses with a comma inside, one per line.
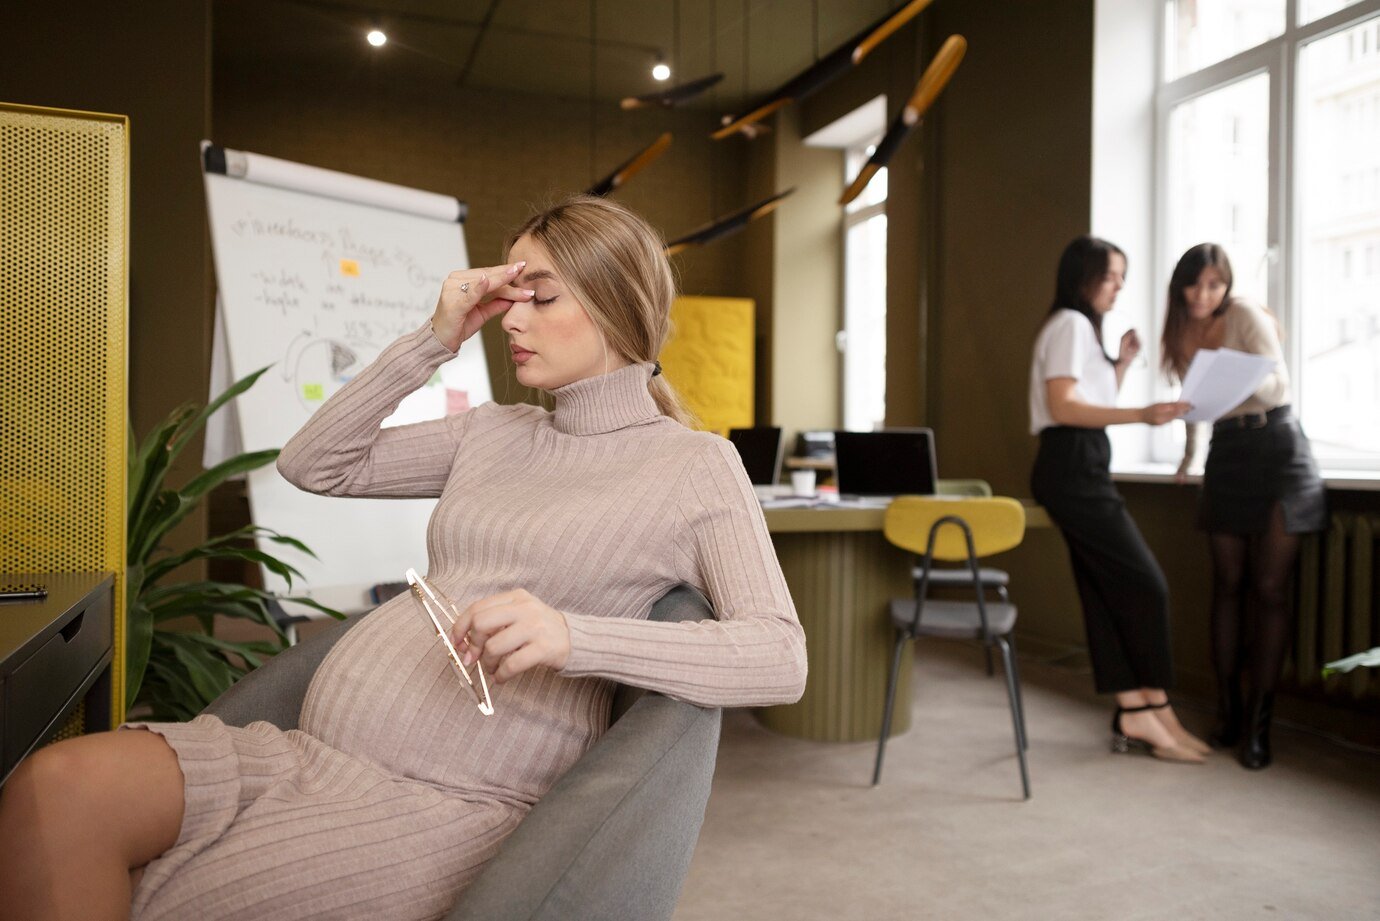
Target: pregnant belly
(387,694)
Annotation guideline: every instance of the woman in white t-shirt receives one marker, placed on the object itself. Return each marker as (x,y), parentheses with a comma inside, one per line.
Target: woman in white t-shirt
(1073,390)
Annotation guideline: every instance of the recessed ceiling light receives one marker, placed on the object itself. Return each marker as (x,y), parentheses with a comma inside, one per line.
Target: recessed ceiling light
(376,37)
(660,71)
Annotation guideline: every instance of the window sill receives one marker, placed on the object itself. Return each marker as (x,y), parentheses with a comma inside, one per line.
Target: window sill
(1365,480)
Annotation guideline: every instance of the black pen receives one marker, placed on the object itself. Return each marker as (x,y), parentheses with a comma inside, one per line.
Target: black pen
(23,593)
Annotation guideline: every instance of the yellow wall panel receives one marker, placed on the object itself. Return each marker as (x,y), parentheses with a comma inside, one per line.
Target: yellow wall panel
(709,359)
(64,231)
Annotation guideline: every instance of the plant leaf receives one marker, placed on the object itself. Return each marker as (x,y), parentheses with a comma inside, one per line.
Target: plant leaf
(234,390)
(138,646)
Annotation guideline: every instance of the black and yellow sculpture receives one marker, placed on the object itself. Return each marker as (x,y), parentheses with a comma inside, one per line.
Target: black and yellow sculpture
(632,166)
(675,96)
(727,225)
(932,83)
(825,70)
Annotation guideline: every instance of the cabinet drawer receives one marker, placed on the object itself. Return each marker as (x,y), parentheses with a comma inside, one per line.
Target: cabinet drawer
(37,689)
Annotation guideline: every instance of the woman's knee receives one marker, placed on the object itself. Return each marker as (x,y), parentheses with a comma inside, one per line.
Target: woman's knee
(125,787)
(1271,589)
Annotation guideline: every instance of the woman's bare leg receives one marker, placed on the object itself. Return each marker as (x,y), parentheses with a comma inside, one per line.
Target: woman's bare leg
(78,819)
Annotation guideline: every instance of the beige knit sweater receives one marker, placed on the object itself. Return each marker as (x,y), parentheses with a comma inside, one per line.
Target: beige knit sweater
(597,508)
(1247,327)
(395,790)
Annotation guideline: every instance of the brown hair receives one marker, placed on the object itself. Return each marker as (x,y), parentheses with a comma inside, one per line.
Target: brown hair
(1173,348)
(615,264)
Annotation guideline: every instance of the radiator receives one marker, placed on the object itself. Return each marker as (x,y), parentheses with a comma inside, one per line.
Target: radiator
(1338,605)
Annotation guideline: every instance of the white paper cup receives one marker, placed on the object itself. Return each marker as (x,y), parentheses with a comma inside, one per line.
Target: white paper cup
(803,482)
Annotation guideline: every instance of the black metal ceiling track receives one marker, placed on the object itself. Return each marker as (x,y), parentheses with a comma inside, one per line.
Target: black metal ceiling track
(478,39)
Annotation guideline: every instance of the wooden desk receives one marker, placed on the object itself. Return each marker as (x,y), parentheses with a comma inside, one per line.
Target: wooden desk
(53,653)
(843,573)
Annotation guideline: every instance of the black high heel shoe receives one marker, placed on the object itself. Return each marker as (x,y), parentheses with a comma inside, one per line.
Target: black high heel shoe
(1255,751)
(1124,744)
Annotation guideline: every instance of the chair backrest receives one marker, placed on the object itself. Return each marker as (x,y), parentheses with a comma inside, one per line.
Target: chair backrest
(760,449)
(997,523)
(979,488)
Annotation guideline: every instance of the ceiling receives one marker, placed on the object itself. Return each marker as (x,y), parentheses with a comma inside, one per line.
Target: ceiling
(544,46)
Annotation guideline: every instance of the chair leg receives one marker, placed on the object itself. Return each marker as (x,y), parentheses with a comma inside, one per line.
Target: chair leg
(890,703)
(987,653)
(1020,697)
(1008,661)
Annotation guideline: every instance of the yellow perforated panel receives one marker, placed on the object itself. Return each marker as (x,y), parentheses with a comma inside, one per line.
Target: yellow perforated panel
(64,219)
(709,359)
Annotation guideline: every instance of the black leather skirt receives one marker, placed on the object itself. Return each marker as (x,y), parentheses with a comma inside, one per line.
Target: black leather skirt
(1255,462)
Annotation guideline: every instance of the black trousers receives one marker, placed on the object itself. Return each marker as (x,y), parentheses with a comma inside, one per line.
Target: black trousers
(1124,594)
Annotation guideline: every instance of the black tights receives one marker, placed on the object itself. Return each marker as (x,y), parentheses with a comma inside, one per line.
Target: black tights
(1251,624)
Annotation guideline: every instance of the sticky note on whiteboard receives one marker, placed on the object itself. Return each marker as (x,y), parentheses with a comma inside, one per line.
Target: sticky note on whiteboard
(349,267)
(314,392)
(457,401)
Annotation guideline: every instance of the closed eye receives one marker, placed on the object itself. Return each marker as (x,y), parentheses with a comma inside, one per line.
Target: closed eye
(539,301)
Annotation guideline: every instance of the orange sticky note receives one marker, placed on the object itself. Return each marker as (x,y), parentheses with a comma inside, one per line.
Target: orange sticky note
(349,267)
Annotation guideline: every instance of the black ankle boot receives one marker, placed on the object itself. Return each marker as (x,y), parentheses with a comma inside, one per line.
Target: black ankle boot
(1226,732)
(1255,751)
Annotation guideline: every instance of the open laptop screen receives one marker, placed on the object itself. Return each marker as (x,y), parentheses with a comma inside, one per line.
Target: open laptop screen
(760,449)
(894,462)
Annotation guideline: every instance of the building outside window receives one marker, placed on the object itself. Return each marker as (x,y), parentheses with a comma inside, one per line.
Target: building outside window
(1268,127)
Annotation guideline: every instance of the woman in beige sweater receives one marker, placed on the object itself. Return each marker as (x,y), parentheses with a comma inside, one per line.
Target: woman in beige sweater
(1261,490)
(554,534)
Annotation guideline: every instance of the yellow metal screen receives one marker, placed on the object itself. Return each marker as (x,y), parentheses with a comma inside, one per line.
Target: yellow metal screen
(64,219)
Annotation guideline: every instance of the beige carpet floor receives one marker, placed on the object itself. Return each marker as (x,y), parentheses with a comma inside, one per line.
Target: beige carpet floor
(795,831)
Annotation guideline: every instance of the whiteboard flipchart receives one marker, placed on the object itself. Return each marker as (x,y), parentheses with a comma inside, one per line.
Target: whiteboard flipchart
(318,272)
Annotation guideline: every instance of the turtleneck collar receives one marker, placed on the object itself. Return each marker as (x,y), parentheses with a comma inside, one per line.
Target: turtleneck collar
(605,403)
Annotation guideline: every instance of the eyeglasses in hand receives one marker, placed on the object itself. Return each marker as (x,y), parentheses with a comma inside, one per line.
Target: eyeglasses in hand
(442,613)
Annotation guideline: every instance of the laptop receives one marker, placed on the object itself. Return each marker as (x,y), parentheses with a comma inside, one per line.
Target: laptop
(872,468)
(760,449)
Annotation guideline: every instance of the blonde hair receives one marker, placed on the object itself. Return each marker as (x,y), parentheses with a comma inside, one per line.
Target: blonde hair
(615,264)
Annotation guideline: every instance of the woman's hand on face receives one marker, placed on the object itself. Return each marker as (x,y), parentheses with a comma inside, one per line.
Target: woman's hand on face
(460,313)
(512,632)
(1160,413)
(1130,347)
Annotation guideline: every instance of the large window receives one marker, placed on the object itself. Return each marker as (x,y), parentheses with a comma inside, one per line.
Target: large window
(863,338)
(1269,125)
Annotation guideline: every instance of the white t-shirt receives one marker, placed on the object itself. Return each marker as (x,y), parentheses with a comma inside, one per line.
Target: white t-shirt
(1067,347)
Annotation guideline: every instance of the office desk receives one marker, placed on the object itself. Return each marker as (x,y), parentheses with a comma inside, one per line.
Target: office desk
(843,573)
(53,653)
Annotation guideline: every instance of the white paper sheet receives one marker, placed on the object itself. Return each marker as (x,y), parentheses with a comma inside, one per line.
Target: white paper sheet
(1219,380)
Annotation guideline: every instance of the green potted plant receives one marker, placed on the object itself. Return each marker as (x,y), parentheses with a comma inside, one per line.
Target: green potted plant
(174,673)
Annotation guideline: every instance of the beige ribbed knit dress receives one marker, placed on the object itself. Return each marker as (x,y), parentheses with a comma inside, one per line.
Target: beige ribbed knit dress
(395,790)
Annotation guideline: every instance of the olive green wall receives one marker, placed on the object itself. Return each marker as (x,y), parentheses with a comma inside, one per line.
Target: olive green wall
(150,61)
(982,199)
(504,154)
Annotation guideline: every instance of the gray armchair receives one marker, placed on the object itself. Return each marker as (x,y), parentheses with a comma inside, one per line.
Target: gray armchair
(611,840)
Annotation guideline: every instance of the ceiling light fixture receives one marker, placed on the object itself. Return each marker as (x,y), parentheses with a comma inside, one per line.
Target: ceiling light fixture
(376,37)
(661,71)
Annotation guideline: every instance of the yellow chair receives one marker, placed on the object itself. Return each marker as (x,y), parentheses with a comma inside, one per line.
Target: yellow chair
(955,529)
(960,577)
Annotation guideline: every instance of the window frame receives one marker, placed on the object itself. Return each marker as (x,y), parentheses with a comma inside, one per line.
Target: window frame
(1277,57)
(855,157)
